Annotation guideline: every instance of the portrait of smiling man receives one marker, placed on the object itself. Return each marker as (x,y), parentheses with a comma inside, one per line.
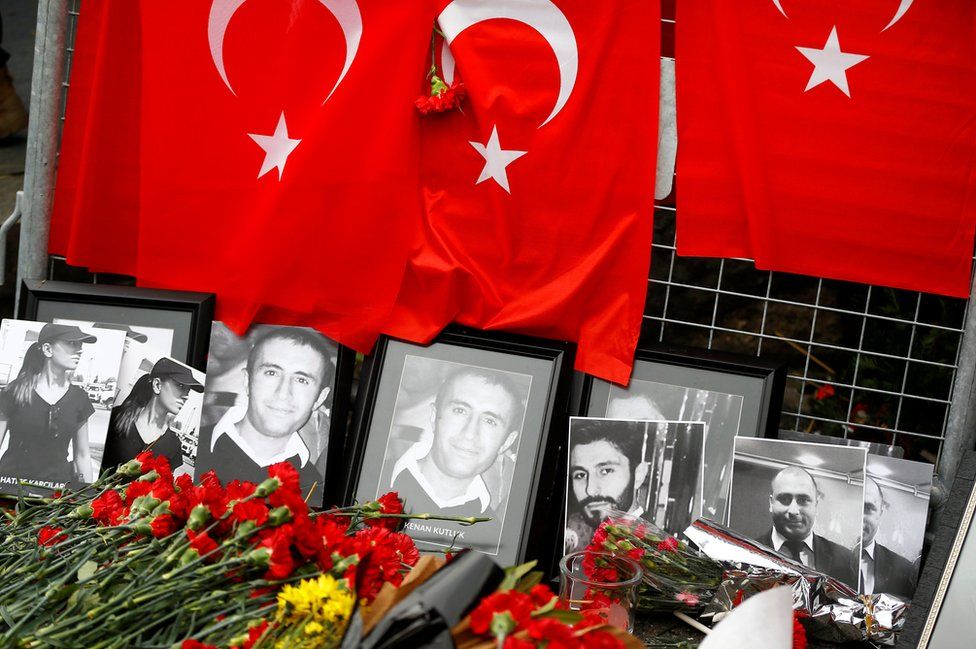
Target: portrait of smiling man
(474,420)
(288,376)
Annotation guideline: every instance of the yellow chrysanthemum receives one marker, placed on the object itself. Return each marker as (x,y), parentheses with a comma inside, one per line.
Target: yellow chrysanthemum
(324,599)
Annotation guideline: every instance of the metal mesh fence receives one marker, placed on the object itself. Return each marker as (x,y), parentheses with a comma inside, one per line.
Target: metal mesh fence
(865,362)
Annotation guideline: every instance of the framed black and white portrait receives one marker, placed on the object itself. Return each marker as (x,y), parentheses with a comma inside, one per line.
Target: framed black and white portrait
(57,382)
(733,395)
(941,614)
(648,469)
(273,395)
(180,319)
(463,428)
(805,501)
(896,508)
(158,409)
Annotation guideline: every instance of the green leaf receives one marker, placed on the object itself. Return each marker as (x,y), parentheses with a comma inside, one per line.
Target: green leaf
(530,581)
(514,574)
(87,570)
(564,616)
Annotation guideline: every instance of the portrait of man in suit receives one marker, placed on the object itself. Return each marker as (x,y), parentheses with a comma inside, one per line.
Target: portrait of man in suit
(794,499)
(881,569)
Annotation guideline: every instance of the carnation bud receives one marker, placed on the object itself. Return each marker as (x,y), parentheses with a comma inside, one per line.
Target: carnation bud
(260,557)
(150,476)
(142,526)
(132,468)
(189,556)
(245,528)
(84,511)
(199,516)
(267,487)
(143,506)
(279,516)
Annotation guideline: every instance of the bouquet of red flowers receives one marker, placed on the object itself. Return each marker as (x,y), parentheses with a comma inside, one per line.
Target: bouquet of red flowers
(140,559)
(675,576)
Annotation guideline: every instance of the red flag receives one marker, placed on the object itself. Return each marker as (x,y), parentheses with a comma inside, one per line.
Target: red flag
(538,191)
(94,222)
(277,147)
(830,139)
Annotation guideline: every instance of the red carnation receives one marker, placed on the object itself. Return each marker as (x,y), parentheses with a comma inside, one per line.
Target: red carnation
(541,595)
(49,535)
(251,510)
(442,97)
(554,632)
(388,503)
(163,525)
(601,640)
(824,392)
(518,605)
(281,563)
(108,508)
(287,476)
(511,642)
(254,634)
(409,554)
(137,489)
(201,542)
(799,633)
(669,544)
(196,644)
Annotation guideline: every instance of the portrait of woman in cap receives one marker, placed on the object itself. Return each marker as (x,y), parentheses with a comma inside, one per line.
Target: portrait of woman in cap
(43,414)
(145,417)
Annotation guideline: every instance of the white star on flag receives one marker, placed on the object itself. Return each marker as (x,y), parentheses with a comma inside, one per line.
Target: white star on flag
(276,147)
(496,160)
(830,63)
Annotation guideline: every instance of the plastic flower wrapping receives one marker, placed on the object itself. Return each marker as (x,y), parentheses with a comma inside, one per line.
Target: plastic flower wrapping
(720,568)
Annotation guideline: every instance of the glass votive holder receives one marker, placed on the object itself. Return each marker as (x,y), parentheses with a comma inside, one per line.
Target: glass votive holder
(601,583)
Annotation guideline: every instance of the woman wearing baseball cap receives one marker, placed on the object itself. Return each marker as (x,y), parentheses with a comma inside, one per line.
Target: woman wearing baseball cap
(144,418)
(44,413)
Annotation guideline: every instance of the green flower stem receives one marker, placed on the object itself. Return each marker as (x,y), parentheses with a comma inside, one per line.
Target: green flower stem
(465,520)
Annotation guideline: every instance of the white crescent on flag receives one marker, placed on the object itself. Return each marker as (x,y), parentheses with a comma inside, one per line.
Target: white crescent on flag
(541,15)
(901,11)
(346,12)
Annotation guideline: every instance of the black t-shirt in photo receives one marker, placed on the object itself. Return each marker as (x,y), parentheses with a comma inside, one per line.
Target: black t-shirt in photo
(39,434)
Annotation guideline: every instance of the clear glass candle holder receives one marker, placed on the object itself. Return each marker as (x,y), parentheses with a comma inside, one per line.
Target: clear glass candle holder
(601,583)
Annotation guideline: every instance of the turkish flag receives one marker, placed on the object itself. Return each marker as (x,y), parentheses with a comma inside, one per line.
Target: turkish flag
(267,152)
(94,221)
(279,147)
(538,191)
(830,139)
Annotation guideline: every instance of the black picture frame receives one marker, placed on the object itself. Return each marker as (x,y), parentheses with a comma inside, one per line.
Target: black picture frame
(955,533)
(761,383)
(189,314)
(539,530)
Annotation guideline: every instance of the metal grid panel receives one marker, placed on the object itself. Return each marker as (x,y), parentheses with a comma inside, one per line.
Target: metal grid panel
(865,362)
(889,357)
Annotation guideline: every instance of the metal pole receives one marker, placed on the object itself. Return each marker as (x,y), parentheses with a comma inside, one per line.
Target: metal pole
(960,435)
(42,139)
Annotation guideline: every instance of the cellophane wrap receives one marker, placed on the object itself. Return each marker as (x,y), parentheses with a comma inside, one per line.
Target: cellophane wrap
(832,611)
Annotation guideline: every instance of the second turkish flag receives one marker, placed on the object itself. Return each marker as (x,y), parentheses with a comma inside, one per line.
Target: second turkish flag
(538,193)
